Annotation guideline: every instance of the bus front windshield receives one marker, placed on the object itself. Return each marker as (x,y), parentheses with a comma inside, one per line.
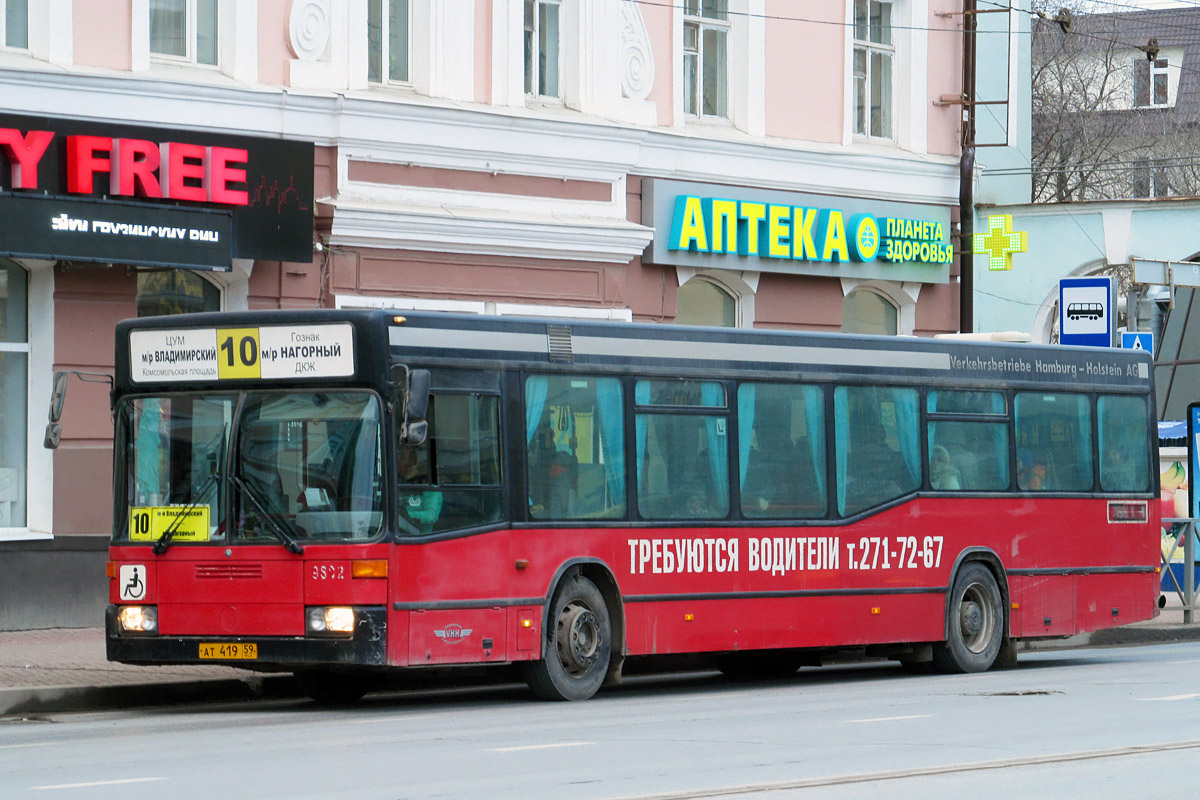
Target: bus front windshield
(306,467)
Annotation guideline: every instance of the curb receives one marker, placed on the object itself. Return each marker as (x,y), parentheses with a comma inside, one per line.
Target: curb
(51,699)
(1128,636)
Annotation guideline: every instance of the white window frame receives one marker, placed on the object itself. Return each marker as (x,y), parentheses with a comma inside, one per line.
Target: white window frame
(39,349)
(532,72)
(870,48)
(385,17)
(903,296)
(190,34)
(1155,73)
(703,23)
(742,286)
(4,30)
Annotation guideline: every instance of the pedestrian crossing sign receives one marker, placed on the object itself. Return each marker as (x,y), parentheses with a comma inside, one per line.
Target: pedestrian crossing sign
(1140,340)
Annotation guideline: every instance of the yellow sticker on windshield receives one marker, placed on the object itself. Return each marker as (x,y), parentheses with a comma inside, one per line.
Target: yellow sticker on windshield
(148,523)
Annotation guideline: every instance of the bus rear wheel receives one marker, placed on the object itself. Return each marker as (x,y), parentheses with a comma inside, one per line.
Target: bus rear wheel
(976,622)
(578,644)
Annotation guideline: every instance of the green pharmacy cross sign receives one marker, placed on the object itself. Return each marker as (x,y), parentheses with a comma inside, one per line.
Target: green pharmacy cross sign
(1000,242)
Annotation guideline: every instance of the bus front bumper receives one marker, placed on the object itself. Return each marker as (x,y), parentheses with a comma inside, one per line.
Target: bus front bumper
(367,646)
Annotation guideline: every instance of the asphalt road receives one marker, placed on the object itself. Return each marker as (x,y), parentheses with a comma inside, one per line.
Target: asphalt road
(1094,723)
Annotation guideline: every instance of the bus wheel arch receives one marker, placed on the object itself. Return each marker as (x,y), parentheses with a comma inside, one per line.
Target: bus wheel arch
(976,621)
(583,635)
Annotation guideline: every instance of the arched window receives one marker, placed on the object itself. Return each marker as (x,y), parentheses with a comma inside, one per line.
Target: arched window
(702,302)
(864,311)
(175,291)
(14,389)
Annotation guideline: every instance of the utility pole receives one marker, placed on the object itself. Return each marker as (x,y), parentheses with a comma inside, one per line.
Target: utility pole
(966,177)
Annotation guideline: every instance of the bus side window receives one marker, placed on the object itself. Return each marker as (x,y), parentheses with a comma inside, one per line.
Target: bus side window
(690,442)
(575,447)
(975,455)
(877,442)
(781,451)
(1054,442)
(1124,452)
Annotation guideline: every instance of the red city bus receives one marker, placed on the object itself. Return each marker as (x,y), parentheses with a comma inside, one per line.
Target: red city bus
(343,493)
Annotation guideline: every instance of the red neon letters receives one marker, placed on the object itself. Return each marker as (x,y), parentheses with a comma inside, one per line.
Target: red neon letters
(135,167)
(24,153)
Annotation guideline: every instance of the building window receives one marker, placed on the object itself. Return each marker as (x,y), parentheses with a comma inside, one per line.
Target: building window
(14,388)
(387,41)
(1150,179)
(14,24)
(701,302)
(866,312)
(1149,83)
(874,55)
(175,291)
(705,81)
(542,62)
(184,30)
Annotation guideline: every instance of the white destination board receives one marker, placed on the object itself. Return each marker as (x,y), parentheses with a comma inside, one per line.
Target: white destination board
(270,352)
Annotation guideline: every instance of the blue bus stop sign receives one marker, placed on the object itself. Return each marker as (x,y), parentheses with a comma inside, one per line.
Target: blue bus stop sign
(1085,311)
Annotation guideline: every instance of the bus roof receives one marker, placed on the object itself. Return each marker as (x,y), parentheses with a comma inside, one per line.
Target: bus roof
(434,338)
(190,346)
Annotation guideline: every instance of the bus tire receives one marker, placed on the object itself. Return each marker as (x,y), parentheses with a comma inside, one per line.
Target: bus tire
(330,688)
(975,628)
(577,647)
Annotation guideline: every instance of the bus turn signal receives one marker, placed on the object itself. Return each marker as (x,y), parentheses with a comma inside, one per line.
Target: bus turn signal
(372,568)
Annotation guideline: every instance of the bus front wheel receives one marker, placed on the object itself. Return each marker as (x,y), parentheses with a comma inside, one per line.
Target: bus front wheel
(975,629)
(578,644)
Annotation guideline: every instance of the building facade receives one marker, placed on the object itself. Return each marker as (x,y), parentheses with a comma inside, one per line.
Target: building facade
(734,162)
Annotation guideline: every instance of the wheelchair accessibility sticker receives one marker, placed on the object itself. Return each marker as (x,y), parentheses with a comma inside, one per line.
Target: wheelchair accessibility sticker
(132,580)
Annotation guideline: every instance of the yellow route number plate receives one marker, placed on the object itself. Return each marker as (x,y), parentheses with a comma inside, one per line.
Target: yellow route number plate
(229,650)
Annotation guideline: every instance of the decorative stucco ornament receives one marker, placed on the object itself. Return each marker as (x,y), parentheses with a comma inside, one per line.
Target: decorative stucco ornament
(308,29)
(637,59)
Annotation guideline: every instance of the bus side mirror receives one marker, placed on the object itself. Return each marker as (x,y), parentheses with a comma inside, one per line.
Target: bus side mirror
(416,406)
(58,396)
(416,396)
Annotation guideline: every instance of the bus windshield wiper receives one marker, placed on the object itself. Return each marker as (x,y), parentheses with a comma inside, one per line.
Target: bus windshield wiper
(275,526)
(164,541)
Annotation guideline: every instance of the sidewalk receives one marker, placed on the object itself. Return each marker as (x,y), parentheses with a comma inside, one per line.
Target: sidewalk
(66,669)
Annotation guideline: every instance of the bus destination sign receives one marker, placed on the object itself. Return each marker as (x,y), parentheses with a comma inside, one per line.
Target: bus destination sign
(262,353)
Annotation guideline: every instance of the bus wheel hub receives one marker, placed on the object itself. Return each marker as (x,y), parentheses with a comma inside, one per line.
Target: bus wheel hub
(972,619)
(579,639)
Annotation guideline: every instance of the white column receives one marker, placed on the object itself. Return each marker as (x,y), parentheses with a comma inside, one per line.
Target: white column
(508,54)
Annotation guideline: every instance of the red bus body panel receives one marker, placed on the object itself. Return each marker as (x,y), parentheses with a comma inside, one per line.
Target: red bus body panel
(480,598)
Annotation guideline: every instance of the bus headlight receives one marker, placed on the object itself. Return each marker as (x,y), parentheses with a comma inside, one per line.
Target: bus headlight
(138,619)
(331,620)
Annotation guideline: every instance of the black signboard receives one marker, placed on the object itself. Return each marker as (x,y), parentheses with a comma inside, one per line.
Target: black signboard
(274,223)
(115,232)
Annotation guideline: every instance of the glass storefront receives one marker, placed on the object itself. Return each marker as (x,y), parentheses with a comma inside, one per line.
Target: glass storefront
(14,390)
(175,291)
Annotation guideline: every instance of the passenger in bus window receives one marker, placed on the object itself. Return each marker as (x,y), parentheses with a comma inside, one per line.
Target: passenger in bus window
(943,475)
(1117,470)
(1031,473)
(421,508)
